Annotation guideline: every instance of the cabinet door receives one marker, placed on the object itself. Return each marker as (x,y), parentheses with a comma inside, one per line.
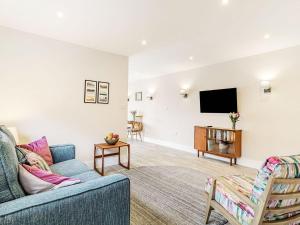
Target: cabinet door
(200,138)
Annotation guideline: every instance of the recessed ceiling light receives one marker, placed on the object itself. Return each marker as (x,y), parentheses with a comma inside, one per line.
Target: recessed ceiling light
(60,14)
(144,42)
(225,2)
(267,36)
(191,58)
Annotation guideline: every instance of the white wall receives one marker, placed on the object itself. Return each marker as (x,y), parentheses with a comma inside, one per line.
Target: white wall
(270,123)
(42,89)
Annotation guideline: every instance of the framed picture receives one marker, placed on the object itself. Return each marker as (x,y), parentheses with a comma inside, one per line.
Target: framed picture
(90,91)
(138,96)
(103,92)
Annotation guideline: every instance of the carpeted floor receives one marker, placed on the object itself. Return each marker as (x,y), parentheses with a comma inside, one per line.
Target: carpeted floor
(168,195)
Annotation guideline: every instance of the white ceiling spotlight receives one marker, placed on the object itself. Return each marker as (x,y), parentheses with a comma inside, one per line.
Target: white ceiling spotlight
(60,14)
(267,36)
(144,42)
(225,2)
(191,58)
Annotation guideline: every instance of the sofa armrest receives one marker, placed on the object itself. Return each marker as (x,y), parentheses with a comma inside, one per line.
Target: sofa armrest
(102,201)
(62,153)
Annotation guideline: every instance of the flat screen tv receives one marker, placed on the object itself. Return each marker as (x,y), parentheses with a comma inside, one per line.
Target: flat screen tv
(218,101)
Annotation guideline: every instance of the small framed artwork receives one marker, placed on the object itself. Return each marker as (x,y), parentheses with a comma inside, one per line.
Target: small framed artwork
(138,96)
(90,91)
(103,92)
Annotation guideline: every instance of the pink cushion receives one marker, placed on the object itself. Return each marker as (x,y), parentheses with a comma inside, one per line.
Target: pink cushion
(35,180)
(40,147)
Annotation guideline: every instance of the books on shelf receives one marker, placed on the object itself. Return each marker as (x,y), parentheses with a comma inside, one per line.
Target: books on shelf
(221,135)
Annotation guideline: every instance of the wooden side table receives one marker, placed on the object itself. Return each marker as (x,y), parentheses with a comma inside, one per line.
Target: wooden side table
(104,147)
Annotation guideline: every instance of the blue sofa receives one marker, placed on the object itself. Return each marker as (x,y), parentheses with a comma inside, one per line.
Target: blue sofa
(96,201)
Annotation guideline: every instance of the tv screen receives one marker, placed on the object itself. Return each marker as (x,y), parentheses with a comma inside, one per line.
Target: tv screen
(218,101)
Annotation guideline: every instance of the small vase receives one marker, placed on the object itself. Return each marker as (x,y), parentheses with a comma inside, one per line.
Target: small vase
(233,125)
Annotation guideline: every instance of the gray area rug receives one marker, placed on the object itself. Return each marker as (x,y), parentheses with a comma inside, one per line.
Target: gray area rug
(169,195)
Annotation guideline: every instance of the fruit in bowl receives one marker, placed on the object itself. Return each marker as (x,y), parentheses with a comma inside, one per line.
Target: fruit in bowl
(111,138)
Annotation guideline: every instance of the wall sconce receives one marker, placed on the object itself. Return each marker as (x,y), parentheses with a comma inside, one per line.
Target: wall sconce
(266,86)
(150,97)
(184,93)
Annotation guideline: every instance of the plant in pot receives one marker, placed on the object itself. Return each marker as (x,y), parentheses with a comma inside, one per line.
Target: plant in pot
(133,113)
(234,117)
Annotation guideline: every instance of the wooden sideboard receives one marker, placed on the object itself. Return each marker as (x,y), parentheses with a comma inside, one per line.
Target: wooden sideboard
(207,140)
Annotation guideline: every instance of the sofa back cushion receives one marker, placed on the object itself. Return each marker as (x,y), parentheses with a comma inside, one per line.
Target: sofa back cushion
(10,188)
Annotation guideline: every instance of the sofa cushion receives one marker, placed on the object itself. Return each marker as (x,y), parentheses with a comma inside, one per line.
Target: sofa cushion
(69,168)
(40,147)
(35,180)
(10,188)
(32,158)
(87,176)
(230,201)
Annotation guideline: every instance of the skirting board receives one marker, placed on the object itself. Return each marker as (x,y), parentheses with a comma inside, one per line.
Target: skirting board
(241,161)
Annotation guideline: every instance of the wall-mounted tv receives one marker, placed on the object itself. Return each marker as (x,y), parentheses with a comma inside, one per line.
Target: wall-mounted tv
(218,101)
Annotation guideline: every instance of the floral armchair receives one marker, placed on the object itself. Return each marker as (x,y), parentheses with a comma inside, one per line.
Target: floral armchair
(273,197)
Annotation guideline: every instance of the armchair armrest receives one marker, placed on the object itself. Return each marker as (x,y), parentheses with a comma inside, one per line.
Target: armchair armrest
(102,201)
(62,153)
(236,193)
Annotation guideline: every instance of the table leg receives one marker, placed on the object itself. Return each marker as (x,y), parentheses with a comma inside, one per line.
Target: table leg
(119,155)
(102,168)
(95,149)
(128,160)
(128,156)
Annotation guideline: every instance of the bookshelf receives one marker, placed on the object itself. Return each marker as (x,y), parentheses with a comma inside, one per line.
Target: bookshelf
(221,142)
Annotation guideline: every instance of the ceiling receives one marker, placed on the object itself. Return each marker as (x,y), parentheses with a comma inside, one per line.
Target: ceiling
(175,30)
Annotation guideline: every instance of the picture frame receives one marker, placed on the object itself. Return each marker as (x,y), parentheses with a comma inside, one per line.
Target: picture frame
(90,91)
(103,92)
(138,96)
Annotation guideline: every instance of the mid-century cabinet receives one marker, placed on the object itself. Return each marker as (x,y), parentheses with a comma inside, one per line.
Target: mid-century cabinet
(212,140)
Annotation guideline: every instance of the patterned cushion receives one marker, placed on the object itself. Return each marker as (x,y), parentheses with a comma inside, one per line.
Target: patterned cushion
(28,157)
(35,180)
(231,202)
(279,167)
(10,188)
(40,147)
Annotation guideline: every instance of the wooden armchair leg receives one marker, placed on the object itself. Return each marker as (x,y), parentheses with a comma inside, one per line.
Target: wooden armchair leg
(211,197)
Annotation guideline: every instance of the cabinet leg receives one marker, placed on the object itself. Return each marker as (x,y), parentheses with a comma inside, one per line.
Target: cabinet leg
(202,154)
(198,153)
(234,161)
(230,161)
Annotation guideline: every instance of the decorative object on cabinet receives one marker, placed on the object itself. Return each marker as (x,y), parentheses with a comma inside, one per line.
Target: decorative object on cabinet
(221,142)
(234,117)
(90,91)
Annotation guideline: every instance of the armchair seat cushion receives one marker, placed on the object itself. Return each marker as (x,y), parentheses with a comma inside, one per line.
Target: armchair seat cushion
(69,168)
(230,201)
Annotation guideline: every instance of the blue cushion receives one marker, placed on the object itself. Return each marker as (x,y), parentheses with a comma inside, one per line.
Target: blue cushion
(62,153)
(69,168)
(10,188)
(87,176)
